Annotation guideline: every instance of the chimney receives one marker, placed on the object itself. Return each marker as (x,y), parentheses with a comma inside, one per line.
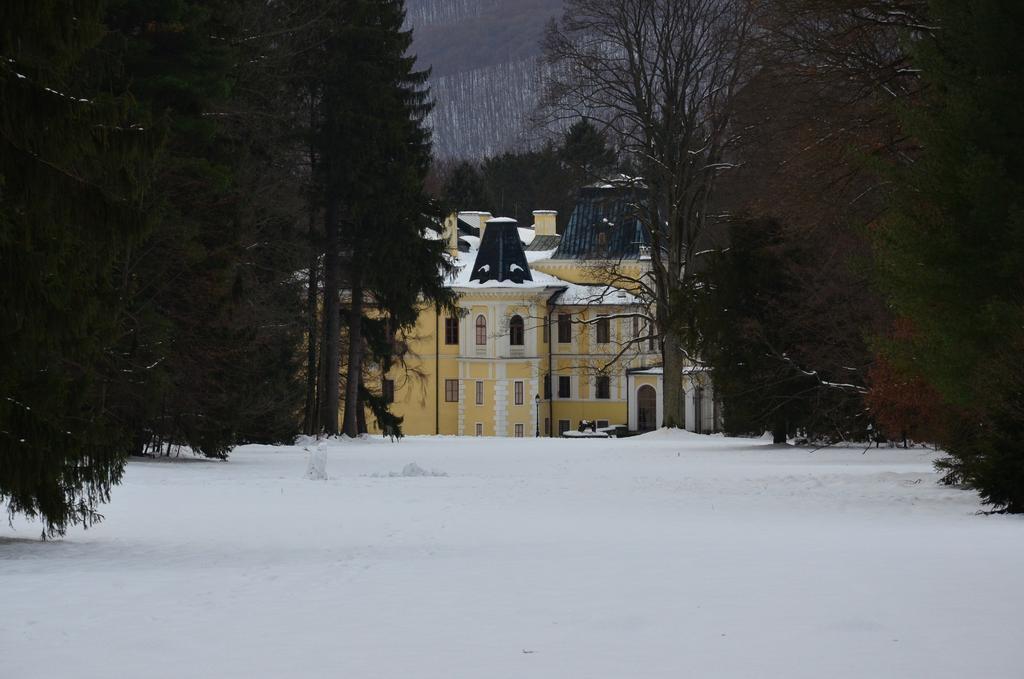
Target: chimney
(451,233)
(544,222)
(484,217)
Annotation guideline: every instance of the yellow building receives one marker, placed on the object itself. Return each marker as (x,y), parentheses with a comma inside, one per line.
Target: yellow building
(539,345)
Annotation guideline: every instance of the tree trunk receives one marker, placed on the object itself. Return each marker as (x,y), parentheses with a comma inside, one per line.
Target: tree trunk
(361,410)
(672,381)
(332,321)
(312,420)
(780,428)
(312,332)
(355,356)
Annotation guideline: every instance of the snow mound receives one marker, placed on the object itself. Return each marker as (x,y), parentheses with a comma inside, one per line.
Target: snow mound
(411,469)
(316,467)
(671,434)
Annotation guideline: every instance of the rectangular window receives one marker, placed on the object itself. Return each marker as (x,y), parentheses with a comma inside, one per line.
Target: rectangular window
(604,331)
(649,332)
(564,329)
(601,424)
(387,390)
(451,331)
(520,431)
(519,392)
(479,393)
(563,426)
(547,387)
(479,429)
(564,386)
(547,426)
(636,327)
(451,391)
(604,388)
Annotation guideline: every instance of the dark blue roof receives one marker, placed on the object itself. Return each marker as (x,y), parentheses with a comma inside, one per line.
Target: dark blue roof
(501,256)
(604,225)
(543,243)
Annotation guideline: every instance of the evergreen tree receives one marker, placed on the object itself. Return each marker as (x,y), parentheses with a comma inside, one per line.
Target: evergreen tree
(464,188)
(785,345)
(518,183)
(73,166)
(515,183)
(952,252)
(388,211)
(215,315)
(586,153)
(372,152)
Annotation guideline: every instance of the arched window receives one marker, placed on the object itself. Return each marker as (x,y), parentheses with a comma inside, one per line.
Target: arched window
(481,330)
(516,332)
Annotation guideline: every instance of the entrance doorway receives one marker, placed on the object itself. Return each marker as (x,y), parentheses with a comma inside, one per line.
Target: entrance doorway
(646,408)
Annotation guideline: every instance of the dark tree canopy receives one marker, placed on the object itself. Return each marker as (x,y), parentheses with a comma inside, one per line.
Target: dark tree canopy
(785,337)
(951,253)
(73,164)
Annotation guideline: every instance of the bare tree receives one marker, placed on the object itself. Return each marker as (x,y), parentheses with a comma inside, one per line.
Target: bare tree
(661,77)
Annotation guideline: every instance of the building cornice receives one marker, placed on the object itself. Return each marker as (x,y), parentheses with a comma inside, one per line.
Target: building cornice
(507,293)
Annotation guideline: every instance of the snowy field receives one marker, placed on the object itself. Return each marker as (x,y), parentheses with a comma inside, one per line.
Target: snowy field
(659,556)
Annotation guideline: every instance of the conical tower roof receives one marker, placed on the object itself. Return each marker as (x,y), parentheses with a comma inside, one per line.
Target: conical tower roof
(501,256)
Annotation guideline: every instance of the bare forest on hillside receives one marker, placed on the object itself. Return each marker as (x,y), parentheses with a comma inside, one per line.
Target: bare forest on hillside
(484,61)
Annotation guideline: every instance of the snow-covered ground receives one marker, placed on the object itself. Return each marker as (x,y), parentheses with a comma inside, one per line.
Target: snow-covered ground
(657,556)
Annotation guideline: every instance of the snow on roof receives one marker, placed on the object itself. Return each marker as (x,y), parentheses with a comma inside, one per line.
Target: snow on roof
(594,294)
(659,370)
(618,181)
(537,255)
(573,294)
(464,265)
(526,235)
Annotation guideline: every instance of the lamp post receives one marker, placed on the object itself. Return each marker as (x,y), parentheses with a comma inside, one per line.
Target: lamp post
(536,401)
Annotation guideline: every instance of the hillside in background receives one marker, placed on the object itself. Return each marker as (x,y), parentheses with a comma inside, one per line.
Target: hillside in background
(484,60)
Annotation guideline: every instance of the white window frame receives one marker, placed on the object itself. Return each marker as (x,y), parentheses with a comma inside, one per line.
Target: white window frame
(446,393)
